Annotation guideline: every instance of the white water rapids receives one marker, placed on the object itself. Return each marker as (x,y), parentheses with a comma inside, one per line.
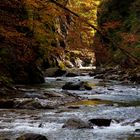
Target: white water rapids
(123,108)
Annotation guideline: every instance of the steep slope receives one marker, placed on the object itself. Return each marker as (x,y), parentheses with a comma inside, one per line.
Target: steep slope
(18,46)
(37,34)
(120,21)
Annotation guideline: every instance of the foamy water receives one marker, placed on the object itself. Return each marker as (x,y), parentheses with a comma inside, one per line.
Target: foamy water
(125,117)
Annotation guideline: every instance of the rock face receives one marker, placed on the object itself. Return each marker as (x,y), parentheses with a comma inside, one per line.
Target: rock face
(77,86)
(76,124)
(101,122)
(32,136)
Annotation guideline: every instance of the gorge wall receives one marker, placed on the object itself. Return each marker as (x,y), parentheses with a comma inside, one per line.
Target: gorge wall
(120,21)
(35,35)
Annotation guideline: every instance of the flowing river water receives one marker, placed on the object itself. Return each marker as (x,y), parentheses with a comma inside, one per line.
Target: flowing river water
(107,99)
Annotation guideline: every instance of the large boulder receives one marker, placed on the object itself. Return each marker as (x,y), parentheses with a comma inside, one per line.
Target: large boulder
(75,123)
(101,122)
(54,72)
(32,136)
(77,86)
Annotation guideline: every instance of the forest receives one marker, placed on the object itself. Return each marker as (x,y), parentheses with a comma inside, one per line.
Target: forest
(69,69)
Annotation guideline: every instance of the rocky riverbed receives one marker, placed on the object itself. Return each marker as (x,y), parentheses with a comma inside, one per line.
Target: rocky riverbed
(45,109)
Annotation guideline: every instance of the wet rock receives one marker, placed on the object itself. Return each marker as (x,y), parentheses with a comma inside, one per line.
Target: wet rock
(112,77)
(41,125)
(71,74)
(110,74)
(59,72)
(53,94)
(73,107)
(7,103)
(98,71)
(100,76)
(77,86)
(137,130)
(92,74)
(54,72)
(28,104)
(71,86)
(33,95)
(32,136)
(87,86)
(101,122)
(135,78)
(75,123)
(58,79)
(110,89)
(136,121)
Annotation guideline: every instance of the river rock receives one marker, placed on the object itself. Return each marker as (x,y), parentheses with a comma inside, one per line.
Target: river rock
(135,78)
(32,136)
(100,76)
(28,104)
(77,86)
(54,72)
(101,122)
(71,74)
(53,94)
(7,103)
(137,130)
(75,123)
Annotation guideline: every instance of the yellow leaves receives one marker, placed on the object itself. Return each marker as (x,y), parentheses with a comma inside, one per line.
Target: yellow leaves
(32,3)
(87,10)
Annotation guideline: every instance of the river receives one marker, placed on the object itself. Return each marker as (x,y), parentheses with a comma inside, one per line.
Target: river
(107,99)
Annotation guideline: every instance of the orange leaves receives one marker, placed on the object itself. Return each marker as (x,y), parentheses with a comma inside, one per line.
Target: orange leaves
(111,25)
(130,38)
